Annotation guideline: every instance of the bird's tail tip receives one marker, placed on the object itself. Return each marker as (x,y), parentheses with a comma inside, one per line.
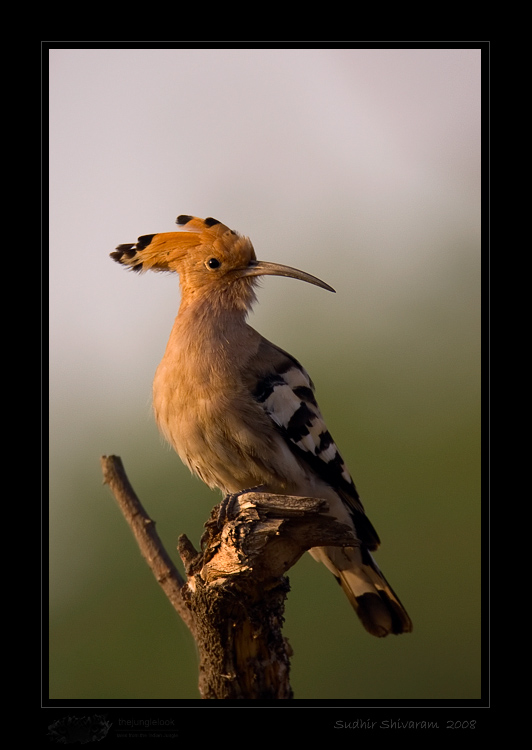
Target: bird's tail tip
(375,602)
(380,614)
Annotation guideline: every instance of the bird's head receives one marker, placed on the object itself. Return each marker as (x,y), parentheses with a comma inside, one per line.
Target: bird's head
(212,261)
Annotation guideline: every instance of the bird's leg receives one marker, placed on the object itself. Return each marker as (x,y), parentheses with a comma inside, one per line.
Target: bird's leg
(226,509)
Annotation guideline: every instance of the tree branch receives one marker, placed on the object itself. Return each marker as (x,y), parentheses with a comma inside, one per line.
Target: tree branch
(233,599)
(143,528)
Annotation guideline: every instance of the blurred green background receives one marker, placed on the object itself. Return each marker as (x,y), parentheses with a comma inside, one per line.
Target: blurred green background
(359,166)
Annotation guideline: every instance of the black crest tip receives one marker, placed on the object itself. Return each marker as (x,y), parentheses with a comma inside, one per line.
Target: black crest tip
(183,219)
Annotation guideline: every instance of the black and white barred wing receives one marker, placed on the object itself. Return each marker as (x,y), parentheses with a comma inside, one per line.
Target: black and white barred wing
(287,396)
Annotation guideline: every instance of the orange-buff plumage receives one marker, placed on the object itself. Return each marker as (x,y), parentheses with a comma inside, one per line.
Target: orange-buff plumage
(241,412)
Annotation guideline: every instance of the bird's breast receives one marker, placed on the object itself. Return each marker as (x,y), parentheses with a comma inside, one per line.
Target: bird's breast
(209,417)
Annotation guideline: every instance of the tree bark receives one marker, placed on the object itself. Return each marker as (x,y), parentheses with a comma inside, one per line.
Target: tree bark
(233,597)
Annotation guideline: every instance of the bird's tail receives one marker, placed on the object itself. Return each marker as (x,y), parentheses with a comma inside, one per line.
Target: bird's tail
(370,594)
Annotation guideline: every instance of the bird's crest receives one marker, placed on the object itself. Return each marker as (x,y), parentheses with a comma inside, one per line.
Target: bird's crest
(213,262)
(168,251)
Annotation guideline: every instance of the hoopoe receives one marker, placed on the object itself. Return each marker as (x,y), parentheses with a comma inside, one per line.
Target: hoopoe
(241,412)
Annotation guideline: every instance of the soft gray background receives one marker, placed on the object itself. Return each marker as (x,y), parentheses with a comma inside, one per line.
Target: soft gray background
(361,166)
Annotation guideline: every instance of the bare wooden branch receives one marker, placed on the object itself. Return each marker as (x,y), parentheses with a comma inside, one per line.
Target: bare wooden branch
(143,527)
(233,599)
(238,590)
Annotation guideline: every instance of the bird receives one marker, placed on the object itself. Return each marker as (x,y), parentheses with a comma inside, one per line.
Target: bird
(241,412)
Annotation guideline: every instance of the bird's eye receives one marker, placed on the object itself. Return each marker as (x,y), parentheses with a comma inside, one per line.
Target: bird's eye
(213,263)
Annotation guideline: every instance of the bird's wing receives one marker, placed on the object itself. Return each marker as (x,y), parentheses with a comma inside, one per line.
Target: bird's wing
(286,393)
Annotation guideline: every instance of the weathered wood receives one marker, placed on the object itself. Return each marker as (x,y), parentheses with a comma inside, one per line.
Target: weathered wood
(234,595)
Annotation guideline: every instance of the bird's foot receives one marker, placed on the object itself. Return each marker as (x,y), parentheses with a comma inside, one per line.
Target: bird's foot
(227,508)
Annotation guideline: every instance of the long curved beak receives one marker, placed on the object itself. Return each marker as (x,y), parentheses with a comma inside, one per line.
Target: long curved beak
(263,268)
